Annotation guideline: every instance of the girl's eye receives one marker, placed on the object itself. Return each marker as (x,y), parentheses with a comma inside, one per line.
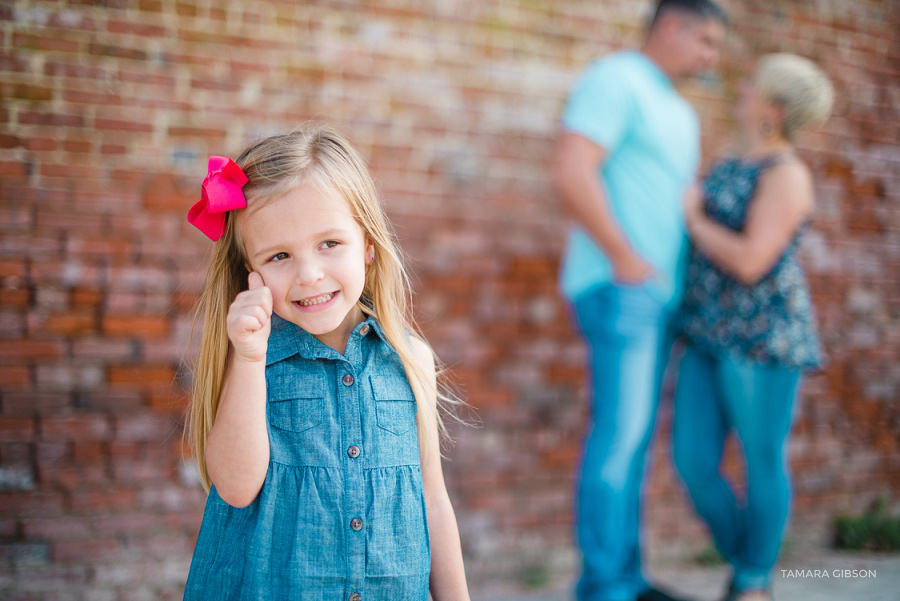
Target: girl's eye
(329,244)
(278,257)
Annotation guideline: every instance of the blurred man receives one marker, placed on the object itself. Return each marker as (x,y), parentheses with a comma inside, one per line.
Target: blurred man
(629,151)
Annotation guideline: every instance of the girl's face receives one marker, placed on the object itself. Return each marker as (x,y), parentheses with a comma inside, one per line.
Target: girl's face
(312,254)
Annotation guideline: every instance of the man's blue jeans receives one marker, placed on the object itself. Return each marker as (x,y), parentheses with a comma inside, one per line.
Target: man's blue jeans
(716,396)
(625,328)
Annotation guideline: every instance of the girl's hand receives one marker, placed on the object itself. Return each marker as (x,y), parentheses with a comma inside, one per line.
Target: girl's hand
(249,320)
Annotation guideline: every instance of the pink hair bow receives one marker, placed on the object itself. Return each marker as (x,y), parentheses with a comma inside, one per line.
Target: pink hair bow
(221,193)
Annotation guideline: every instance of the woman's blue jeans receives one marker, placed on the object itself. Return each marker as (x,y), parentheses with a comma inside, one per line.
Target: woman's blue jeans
(625,328)
(715,396)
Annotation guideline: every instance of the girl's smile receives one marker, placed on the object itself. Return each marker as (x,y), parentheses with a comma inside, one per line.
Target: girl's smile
(316,303)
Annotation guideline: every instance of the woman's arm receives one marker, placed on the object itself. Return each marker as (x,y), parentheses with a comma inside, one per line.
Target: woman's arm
(448,576)
(237,451)
(783,200)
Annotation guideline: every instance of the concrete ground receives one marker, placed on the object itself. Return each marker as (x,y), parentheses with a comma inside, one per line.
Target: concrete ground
(821,575)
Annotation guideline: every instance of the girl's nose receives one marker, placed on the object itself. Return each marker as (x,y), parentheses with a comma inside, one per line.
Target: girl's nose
(308,272)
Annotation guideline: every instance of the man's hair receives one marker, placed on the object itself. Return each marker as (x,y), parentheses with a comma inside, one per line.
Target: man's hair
(700,9)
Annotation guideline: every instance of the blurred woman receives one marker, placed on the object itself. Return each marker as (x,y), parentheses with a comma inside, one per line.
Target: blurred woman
(747,319)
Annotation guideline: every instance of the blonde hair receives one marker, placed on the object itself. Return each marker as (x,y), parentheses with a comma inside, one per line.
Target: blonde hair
(321,156)
(798,86)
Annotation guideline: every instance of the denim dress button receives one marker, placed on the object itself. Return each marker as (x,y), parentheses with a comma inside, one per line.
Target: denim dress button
(363,331)
(353,452)
(355,597)
(347,380)
(356,524)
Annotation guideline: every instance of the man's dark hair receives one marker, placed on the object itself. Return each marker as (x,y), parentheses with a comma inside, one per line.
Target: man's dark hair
(701,9)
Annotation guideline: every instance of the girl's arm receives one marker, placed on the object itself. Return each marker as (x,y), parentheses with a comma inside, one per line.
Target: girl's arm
(448,576)
(237,451)
(783,200)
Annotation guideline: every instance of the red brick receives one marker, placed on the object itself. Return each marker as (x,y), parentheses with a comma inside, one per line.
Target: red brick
(80,322)
(184,9)
(169,192)
(116,51)
(136,326)
(99,245)
(27,504)
(57,528)
(32,117)
(11,297)
(27,402)
(72,171)
(14,377)
(26,92)
(71,477)
(12,267)
(113,149)
(8,528)
(13,168)
(92,97)
(122,125)
(87,550)
(17,428)
(75,70)
(8,141)
(102,499)
(16,219)
(41,144)
(85,297)
(196,132)
(150,6)
(16,453)
(66,273)
(87,452)
(143,427)
(77,145)
(52,43)
(175,401)
(103,349)
(25,350)
(129,523)
(143,377)
(75,427)
(114,400)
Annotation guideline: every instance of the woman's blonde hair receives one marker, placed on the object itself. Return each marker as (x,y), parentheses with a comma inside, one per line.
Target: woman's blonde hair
(320,156)
(798,86)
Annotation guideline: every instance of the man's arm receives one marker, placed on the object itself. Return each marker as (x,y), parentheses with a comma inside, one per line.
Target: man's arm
(575,174)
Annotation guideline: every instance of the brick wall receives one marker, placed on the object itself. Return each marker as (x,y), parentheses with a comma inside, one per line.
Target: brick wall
(109,110)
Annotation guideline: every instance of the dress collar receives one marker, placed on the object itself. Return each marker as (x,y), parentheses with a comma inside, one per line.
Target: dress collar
(287,339)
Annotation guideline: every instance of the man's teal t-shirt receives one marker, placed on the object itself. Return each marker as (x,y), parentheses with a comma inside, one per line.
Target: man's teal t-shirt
(626,104)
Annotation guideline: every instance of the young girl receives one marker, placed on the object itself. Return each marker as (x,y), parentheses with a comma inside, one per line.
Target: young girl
(314,415)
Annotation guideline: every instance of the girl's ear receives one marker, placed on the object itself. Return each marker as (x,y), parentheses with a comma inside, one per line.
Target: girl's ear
(370,251)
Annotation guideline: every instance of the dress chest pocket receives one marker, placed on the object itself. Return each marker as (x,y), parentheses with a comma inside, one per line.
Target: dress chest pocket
(395,404)
(295,404)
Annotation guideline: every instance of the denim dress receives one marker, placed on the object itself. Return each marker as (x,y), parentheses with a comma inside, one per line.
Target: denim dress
(771,321)
(341,514)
